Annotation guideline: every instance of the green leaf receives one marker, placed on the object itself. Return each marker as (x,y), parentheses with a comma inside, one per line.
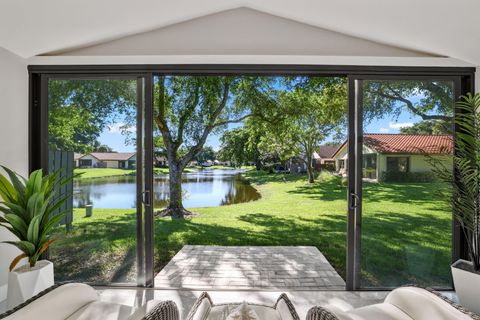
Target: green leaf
(52,222)
(33,229)
(34,183)
(7,191)
(16,209)
(17,223)
(24,246)
(17,184)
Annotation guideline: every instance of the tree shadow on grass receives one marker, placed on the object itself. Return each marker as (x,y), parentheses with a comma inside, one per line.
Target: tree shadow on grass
(263,177)
(97,250)
(397,247)
(415,193)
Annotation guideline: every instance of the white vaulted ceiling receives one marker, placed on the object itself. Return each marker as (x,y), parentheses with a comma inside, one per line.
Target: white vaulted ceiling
(407,28)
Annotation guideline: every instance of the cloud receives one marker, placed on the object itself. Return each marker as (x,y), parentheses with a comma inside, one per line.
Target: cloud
(119,127)
(399,125)
(384,130)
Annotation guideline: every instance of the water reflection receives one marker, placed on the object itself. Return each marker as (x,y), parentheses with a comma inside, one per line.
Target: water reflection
(206,188)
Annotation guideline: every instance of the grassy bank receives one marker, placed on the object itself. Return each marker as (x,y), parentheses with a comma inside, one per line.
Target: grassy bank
(405,227)
(90,173)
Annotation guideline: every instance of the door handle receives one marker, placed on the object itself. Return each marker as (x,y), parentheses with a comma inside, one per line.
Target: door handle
(146,198)
(354,200)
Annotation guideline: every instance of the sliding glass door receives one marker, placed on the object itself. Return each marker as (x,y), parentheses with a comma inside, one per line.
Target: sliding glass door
(108,126)
(95,131)
(403,219)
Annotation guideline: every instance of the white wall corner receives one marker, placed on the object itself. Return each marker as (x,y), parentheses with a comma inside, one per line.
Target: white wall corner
(13,138)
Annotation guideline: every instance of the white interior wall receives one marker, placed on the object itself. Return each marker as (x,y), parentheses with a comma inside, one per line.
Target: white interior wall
(13,137)
(243,31)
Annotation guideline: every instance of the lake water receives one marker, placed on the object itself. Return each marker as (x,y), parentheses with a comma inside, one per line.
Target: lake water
(205,188)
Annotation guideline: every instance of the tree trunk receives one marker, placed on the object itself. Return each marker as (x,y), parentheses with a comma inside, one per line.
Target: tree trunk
(175,207)
(310,169)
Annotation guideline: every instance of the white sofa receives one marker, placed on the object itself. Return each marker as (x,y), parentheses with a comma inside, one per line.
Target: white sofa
(76,301)
(405,303)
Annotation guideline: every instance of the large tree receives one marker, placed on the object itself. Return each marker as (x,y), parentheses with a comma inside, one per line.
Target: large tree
(79,110)
(429,127)
(190,108)
(207,153)
(429,100)
(241,145)
(312,110)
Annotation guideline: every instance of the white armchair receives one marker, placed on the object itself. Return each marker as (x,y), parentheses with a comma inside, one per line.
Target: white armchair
(76,301)
(404,303)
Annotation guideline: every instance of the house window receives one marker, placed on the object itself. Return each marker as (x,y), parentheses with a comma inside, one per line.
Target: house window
(398,164)
(85,163)
(341,164)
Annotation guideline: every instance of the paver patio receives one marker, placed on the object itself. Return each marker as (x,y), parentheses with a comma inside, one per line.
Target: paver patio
(249,268)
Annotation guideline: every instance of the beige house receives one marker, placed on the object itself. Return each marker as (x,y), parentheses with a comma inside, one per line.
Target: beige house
(120,160)
(396,154)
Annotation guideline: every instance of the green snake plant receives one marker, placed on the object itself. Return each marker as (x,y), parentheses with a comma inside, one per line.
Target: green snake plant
(465,182)
(29,208)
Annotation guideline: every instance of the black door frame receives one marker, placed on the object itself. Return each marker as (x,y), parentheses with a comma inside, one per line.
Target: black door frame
(38,155)
(355,187)
(38,139)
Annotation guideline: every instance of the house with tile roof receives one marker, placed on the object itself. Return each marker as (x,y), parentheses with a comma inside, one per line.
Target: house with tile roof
(120,160)
(325,155)
(396,153)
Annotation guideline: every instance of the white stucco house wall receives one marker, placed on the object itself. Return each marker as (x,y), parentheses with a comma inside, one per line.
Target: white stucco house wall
(403,153)
(117,160)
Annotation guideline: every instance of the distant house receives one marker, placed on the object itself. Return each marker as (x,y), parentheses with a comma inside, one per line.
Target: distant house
(396,153)
(325,154)
(76,159)
(299,165)
(120,160)
(193,163)
(207,163)
(161,162)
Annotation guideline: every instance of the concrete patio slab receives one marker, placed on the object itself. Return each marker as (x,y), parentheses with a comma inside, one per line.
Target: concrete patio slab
(249,268)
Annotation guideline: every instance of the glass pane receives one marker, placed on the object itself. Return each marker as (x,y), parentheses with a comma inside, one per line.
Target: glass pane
(264,184)
(406,223)
(92,134)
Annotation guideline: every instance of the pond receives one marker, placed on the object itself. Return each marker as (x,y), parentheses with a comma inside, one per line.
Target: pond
(205,188)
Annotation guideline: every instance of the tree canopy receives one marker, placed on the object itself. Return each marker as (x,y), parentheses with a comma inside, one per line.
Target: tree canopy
(79,110)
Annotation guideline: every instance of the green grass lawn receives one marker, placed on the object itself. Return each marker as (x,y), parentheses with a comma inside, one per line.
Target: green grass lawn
(407,231)
(90,173)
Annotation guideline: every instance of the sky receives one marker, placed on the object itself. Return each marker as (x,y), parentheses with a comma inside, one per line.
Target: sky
(113,137)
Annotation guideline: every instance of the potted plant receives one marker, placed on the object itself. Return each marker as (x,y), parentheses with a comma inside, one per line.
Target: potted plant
(29,210)
(465,197)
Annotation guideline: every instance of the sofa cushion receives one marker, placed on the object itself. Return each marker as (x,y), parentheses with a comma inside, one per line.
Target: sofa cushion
(243,312)
(221,312)
(421,304)
(382,311)
(56,303)
(102,311)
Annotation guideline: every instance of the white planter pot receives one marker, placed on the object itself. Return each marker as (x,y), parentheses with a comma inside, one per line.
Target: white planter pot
(467,285)
(25,282)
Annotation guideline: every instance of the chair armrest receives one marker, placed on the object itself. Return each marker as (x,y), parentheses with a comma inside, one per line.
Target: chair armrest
(286,308)
(423,304)
(164,310)
(56,303)
(201,307)
(319,313)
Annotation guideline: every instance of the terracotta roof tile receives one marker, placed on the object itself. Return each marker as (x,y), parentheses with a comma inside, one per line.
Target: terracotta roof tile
(408,143)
